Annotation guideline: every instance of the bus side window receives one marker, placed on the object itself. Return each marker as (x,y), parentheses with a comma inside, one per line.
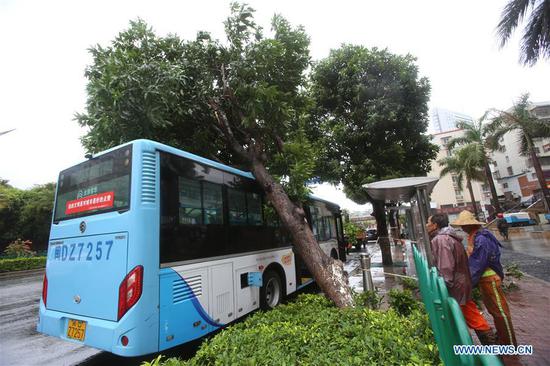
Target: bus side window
(190,210)
(213,204)
(237,207)
(254,201)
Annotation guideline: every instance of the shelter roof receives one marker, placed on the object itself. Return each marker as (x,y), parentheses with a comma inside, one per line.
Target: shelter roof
(399,189)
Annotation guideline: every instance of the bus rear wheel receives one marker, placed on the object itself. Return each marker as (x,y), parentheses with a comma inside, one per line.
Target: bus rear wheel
(271,293)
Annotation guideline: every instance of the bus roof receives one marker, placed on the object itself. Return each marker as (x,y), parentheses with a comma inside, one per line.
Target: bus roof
(200,159)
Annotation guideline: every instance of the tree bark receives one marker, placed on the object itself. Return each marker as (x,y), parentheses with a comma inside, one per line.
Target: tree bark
(394,223)
(379,213)
(492,187)
(540,176)
(472,198)
(328,273)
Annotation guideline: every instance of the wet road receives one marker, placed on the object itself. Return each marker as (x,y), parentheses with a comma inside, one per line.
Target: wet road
(20,344)
(525,241)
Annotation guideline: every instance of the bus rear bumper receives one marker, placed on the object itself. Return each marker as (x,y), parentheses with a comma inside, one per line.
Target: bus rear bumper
(102,334)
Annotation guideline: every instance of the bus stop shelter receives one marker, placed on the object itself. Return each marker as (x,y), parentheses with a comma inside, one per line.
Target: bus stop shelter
(416,191)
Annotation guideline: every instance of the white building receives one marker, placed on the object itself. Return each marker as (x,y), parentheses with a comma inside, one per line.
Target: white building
(448,198)
(445,120)
(514,172)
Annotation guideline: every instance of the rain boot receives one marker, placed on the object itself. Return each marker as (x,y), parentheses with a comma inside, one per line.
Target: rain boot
(486,337)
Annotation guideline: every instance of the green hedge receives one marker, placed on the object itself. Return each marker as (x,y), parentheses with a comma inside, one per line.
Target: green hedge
(18,264)
(311,331)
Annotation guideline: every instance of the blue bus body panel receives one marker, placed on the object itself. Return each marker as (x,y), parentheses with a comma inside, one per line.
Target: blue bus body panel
(182,317)
(84,274)
(140,225)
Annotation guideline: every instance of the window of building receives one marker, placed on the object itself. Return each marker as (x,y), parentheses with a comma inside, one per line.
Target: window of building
(537,150)
(546,147)
(507,159)
(445,140)
(496,174)
(510,170)
(504,185)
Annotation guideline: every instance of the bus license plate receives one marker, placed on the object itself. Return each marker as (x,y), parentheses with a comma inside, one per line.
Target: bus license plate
(76,329)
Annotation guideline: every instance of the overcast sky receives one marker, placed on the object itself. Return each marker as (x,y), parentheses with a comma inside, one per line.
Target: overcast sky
(44,53)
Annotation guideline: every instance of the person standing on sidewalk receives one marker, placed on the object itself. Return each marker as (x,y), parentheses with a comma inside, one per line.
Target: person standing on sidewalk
(452,263)
(502,226)
(486,270)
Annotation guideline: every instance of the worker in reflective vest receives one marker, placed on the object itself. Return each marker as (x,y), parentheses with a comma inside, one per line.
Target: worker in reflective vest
(486,270)
(451,261)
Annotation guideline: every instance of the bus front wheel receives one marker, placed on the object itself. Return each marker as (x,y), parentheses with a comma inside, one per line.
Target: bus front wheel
(271,293)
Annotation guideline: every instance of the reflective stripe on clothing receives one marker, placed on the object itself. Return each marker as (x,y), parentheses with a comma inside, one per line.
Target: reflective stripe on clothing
(488,272)
(495,302)
(474,318)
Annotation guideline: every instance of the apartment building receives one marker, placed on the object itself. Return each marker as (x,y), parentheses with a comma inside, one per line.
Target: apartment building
(446,194)
(515,173)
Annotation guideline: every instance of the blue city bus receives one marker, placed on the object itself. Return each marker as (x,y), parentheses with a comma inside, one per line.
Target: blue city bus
(151,247)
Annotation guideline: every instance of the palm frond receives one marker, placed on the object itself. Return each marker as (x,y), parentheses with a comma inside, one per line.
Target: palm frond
(456,141)
(512,14)
(538,128)
(523,145)
(535,42)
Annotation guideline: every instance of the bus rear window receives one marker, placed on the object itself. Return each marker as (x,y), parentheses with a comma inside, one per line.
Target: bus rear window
(95,186)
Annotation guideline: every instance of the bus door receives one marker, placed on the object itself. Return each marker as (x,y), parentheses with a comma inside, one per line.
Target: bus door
(303,276)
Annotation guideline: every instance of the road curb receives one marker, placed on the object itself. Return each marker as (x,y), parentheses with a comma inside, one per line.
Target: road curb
(16,274)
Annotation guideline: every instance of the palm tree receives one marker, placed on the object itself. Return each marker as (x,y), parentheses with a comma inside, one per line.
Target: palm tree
(466,163)
(475,132)
(520,120)
(535,42)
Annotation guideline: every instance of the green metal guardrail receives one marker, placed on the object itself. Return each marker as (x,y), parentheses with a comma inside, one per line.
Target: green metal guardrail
(448,324)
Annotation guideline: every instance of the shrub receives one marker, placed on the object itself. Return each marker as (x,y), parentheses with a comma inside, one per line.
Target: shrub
(409,283)
(311,331)
(512,274)
(402,301)
(19,248)
(22,263)
(369,299)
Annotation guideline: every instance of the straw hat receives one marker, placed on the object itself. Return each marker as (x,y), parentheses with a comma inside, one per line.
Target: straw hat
(466,218)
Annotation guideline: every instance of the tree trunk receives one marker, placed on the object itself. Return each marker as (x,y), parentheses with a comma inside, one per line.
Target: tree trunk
(394,224)
(469,184)
(540,176)
(491,183)
(379,213)
(328,273)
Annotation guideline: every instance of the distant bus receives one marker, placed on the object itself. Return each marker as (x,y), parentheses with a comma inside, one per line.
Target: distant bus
(151,247)
(519,219)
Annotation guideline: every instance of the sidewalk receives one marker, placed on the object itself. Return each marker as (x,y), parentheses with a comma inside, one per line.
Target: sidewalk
(529,304)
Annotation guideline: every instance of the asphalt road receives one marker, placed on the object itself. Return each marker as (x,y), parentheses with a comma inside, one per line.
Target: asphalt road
(20,343)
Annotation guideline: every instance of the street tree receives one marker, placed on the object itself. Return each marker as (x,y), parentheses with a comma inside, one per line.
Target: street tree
(535,42)
(527,127)
(466,163)
(26,214)
(372,107)
(476,132)
(242,101)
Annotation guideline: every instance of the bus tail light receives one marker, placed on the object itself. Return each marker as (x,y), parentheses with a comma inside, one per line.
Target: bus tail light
(45,289)
(129,291)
